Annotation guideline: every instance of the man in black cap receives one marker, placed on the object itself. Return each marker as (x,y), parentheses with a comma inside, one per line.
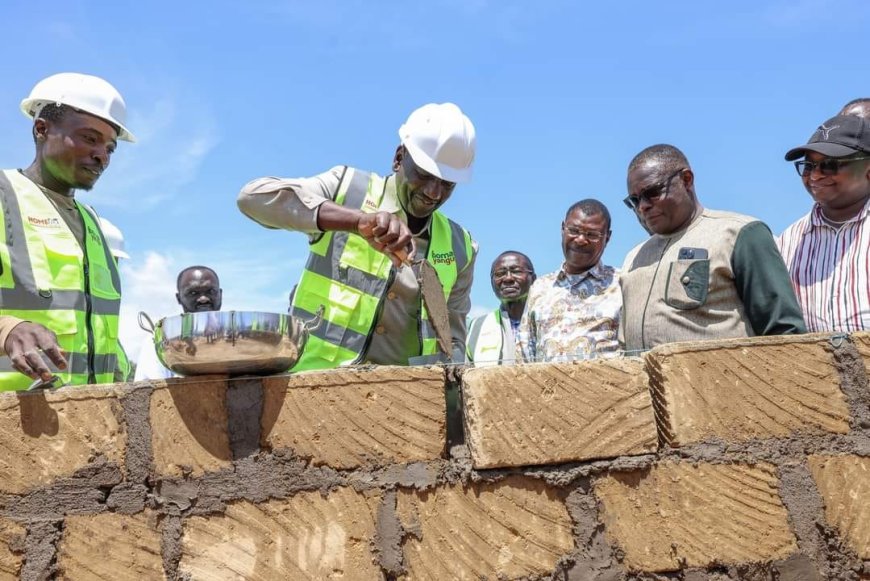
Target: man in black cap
(827,252)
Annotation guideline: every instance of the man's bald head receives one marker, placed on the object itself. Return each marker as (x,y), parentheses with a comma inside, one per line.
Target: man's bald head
(857,107)
(667,157)
(199,289)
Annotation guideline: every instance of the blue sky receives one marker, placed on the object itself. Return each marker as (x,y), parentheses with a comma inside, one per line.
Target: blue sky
(562,94)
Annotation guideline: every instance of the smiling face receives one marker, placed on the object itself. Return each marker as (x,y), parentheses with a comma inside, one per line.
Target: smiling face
(584,238)
(666,200)
(74,150)
(511,275)
(199,290)
(843,193)
(419,192)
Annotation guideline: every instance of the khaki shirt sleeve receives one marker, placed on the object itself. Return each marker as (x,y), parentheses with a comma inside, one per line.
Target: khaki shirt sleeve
(289,203)
(7,323)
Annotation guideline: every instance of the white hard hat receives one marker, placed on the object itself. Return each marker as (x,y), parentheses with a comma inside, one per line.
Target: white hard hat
(114,238)
(83,92)
(441,141)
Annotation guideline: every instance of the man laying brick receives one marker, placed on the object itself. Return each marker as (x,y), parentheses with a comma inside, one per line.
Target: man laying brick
(703,274)
(375,242)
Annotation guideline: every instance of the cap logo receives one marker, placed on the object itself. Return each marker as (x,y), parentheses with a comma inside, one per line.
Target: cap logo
(826,131)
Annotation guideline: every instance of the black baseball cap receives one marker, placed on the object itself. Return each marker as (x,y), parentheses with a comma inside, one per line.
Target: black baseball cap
(839,136)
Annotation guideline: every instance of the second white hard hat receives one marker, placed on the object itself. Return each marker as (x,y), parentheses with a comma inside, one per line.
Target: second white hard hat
(114,238)
(83,92)
(441,141)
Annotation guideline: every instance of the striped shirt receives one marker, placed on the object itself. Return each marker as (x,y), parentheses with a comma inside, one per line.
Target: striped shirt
(829,268)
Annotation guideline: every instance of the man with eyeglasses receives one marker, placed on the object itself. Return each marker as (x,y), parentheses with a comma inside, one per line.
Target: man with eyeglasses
(703,274)
(492,337)
(573,313)
(826,251)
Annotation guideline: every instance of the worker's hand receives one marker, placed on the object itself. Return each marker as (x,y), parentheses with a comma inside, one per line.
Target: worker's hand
(28,344)
(388,234)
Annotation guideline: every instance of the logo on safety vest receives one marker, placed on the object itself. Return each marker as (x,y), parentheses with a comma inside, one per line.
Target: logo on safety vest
(443,257)
(370,203)
(44,222)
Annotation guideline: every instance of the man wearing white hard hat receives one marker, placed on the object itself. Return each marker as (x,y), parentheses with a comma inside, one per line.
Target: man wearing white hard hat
(60,291)
(376,245)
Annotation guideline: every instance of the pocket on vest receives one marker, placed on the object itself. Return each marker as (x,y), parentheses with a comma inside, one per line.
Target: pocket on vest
(63,264)
(688,283)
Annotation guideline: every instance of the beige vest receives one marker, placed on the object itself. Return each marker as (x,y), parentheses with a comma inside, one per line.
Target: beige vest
(668,296)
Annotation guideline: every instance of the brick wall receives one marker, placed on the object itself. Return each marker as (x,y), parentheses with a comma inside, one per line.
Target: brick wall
(740,459)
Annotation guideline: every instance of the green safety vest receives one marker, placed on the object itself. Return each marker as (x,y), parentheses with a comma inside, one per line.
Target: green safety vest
(485,343)
(46,278)
(350,278)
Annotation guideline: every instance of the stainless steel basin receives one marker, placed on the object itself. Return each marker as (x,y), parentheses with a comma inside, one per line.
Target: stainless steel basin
(229,342)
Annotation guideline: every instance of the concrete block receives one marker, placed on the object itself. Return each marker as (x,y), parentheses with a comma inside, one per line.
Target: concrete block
(189,427)
(861,341)
(547,413)
(844,483)
(307,536)
(518,527)
(111,546)
(11,549)
(680,514)
(48,435)
(352,418)
(740,389)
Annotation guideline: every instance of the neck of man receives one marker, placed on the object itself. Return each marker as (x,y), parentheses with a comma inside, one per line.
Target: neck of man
(515,309)
(415,224)
(41,177)
(840,215)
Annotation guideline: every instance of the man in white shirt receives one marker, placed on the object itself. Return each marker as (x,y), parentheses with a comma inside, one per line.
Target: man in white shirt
(198,290)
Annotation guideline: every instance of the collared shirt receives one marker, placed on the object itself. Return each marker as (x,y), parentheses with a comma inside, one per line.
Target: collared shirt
(829,266)
(571,316)
(293,203)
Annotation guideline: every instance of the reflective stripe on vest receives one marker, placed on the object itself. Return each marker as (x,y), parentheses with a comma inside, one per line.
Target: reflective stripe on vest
(351,279)
(486,340)
(45,277)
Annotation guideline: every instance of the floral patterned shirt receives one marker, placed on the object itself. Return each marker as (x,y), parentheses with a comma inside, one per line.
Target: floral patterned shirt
(571,316)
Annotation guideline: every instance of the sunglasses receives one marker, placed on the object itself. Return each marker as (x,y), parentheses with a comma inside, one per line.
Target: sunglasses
(653,193)
(827,167)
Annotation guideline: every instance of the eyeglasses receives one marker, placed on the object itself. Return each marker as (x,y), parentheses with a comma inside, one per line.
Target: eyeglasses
(653,193)
(828,166)
(514,271)
(590,235)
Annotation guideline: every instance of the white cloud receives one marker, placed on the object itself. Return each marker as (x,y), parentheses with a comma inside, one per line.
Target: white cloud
(478,311)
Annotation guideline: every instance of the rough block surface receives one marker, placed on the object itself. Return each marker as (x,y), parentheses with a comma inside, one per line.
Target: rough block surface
(552,413)
(11,549)
(862,343)
(47,435)
(307,536)
(189,427)
(676,515)
(111,546)
(516,527)
(741,389)
(347,419)
(844,483)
